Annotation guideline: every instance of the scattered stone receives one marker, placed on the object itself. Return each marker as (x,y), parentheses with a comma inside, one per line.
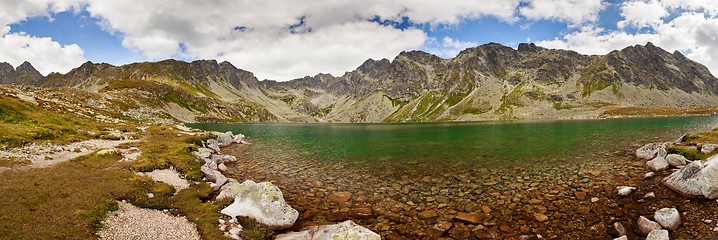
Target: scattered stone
(708,148)
(485,209)
(428,214)
(648,151)
(361,213)
(263,202)
(676,160)
(580,195)
(657,164)
(696,179)
(470,217)
(213,144)
(222,168)
(131,222)
(649,195)
(649,175)
(211,175)
(439,229)
(340,197)
(203,153)
(621,238)
(646,226)
(459,231)
(658,235)
(594,199)
(344,230)
(540,217)
(617,230)
(624,190)
(669,218)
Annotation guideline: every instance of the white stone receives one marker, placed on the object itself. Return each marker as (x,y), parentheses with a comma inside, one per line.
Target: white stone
(227,191)
(708,148)
(211,175)
(624,190)
(594,199)
(649,195)
(658,235)
(203,153)
(264,202)
(676,160)
(222,168)
(696,179)
(669,218)
(657,164)
(344,230)
(648,151)
(225,139)
(621,238)
(239,138)
(213,144)
(646,226)
(649,175)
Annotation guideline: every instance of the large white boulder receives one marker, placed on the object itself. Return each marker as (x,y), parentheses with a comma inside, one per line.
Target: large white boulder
(344,230)
(203,153)
(658,164)
(213,144)
(696,179)
(649,151)
(669,218)
(263,202)
(225,139)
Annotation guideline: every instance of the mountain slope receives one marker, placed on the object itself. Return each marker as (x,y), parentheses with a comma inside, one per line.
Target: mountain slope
(487,82)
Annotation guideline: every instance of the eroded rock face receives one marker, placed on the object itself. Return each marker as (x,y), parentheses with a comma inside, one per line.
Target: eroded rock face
(696,179)
(669,218)
(263,202)
(648,151)
(344,230)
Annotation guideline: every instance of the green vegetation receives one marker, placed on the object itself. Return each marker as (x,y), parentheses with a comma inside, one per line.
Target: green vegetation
(396,101)
(563,106)
(22,123)
(287,99)
(689,153)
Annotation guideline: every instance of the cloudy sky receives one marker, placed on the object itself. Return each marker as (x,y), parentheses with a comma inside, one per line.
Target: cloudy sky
(286,39)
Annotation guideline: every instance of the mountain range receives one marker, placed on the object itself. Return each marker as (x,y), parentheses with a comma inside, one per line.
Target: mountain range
(488,82)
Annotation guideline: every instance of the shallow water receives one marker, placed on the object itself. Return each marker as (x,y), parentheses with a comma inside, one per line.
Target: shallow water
(498,143)
(411,177)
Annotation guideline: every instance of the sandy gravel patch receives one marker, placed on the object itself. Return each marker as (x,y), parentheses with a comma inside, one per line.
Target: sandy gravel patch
(131,222)
(45,155)
(169,176)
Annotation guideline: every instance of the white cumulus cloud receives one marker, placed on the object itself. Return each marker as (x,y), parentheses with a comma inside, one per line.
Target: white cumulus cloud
(44,54)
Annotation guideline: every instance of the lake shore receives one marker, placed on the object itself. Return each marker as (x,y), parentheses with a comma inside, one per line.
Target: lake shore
(462,202)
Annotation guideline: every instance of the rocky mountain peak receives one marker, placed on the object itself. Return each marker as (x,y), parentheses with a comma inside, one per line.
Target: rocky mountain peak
(27,74)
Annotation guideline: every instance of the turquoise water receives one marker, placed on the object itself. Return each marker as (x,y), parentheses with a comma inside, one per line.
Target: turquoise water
(480,143)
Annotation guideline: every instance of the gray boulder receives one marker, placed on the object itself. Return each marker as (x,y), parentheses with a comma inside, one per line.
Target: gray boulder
(708,148)
(263,202)
(696,179)
(649,151)
(203,153)
(213,144)
(676,160)
(669,218)
(225,139)
(646,226)
(657,164)
(658,235)
(344,230)
(210,174)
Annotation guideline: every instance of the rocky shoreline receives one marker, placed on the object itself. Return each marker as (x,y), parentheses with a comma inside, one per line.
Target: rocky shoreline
(551,202)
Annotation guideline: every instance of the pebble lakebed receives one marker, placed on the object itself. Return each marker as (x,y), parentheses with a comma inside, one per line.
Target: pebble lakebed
(420,201)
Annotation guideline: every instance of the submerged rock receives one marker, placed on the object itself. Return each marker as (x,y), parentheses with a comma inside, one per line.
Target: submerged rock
(658,235)
(263,202)
(648,151)
(676,160)
(344,230)
(646,226)
(696,179)
(624,190)
(669,218)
